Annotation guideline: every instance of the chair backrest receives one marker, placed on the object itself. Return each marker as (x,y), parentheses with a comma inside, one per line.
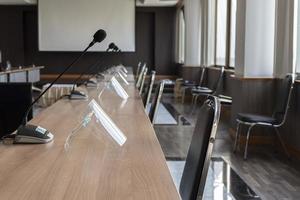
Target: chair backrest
(138,69)
(140,76)
(201,81)
(148,92)
(218,83)
(156,101)
(283,99)
(141,88)
(199,154)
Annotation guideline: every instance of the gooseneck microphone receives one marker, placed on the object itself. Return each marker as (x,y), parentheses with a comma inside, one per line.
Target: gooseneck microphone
(114,47)
(27,133)
(78,95)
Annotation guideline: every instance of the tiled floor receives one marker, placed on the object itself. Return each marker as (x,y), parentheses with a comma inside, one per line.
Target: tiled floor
(270,175)
(222,183)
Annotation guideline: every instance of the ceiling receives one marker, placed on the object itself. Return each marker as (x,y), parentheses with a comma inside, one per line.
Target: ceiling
(158,3)
(139,3)
(17,2)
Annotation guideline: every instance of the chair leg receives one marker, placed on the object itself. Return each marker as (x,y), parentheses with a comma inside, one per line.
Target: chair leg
(182,95)
(281,142)
(236,137)
(194,101)
(247,142)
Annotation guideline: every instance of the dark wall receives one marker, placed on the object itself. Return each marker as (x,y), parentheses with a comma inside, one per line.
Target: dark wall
(155,29)
(11,34)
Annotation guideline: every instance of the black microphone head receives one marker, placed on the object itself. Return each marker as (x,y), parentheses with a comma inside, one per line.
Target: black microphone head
(99,36)
(111,45)
(116,48)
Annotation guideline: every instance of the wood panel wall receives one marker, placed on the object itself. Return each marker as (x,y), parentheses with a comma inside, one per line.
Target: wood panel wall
(257,96)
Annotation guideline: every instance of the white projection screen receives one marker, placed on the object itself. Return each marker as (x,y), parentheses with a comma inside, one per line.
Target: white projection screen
(69,25)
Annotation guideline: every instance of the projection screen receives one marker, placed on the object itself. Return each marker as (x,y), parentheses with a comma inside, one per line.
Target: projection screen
(68,25)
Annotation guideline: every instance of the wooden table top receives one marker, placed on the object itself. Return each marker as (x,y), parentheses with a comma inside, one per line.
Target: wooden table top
(94,167)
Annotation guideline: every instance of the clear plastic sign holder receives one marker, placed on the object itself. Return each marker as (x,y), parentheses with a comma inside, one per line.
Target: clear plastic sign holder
(95,110)
(119,74)
(114,85)
(112,71)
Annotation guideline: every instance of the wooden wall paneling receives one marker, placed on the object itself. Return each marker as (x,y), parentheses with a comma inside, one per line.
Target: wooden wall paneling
(291,129)
(190,73)
(165,41)
(252,96)
(11,37)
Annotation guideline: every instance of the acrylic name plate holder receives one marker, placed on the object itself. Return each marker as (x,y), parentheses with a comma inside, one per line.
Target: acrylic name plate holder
(119,72)
(95,110)
(114,85)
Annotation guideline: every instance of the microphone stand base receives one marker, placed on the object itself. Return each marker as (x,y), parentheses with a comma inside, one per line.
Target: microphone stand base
(78,95)
(91,83)
(31,134)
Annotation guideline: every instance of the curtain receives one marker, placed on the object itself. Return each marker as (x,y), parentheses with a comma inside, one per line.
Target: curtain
(180,36)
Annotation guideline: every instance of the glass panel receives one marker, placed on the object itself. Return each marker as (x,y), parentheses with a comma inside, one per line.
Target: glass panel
(298,38)
(181,37)
(221,31)
(232,33)
(211,32)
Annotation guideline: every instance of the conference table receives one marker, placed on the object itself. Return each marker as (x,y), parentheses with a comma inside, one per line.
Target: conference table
(93,166)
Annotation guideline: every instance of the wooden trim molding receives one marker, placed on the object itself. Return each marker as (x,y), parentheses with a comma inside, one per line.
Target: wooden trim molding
(191,66)
(70,77)
(64,77)
(215,67)
(252,79)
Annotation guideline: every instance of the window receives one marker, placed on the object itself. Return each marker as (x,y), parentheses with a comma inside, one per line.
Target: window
(297,37)
(211,26)
(180,37)
(221,32)
(225,33)
(232,33)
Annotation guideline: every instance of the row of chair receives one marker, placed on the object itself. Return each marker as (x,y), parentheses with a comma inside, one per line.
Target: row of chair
(146,92)
(200,89)
(248,119)
(199,154)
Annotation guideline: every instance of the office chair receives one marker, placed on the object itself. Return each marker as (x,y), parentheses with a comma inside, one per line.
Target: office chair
(143,81)
(200,150)
(156,101)
(197,91)
(140,76)
(187,85)
(275,121)
(148,92)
